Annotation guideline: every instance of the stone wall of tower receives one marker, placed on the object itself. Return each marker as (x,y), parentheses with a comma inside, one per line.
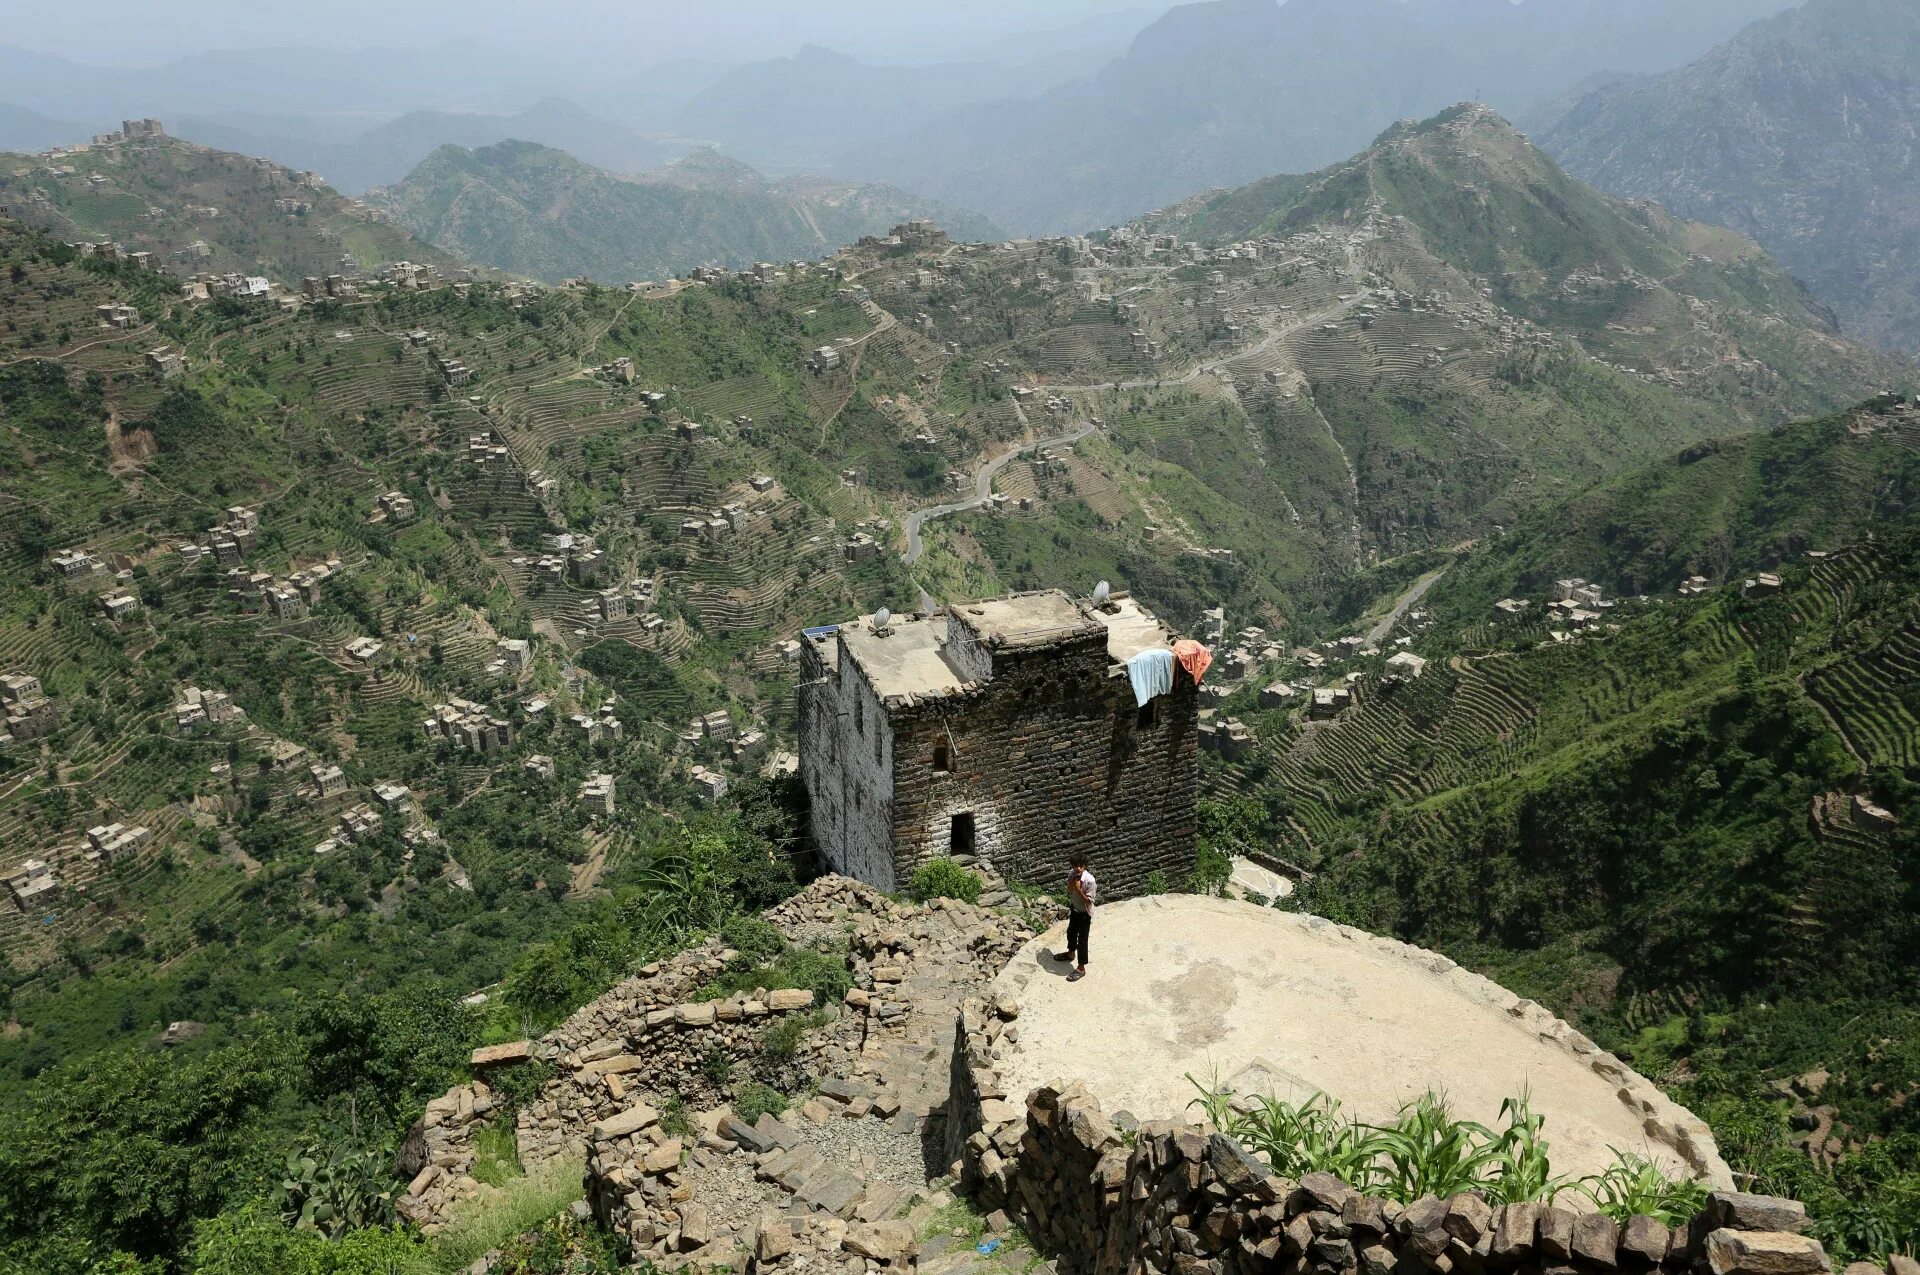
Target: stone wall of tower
(1051,756)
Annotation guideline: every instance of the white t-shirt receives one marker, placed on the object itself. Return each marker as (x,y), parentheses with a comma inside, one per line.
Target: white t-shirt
(1088,885)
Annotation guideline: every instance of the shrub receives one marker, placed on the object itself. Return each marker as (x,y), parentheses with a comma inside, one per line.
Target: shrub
(674,1118)
(1211,872)
(943,879)
(717,1065)
(757,940)
(250,1241)
(336,1192)
(823,971)
(781,1042)
(755,1100)
(521,1083)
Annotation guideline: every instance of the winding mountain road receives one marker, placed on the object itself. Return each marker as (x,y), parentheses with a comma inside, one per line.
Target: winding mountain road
(982,490)
(1379,632)
(1326,314)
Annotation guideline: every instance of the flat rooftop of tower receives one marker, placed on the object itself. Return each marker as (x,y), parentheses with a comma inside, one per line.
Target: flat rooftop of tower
(911,657)
(1026,619)
(907,659)
(1286,1005)
(1131,628)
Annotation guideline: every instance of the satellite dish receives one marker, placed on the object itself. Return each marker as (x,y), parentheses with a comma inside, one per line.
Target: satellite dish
(881,618)
(1101,592)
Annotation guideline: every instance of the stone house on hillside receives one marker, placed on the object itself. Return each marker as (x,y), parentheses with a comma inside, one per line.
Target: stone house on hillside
(1006,729)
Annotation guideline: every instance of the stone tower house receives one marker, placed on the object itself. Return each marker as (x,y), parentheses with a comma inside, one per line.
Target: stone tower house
(1006,729)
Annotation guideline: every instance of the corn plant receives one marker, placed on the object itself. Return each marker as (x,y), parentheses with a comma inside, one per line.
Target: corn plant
(1215,1102)
(1428,1152)
(1634,1184)
(1310,1138)
(1425,1151)
(1522,1169)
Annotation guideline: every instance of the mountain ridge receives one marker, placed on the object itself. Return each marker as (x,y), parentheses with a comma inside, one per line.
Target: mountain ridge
(1215,93)
(536,210)
(1798,131)
(166,194)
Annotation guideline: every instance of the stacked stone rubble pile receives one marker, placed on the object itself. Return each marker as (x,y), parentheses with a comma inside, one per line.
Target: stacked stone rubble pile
(648,1039)
(811,1204)
(437,1156)
(662,1050)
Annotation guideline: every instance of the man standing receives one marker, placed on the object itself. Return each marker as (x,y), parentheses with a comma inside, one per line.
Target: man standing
(1082,889)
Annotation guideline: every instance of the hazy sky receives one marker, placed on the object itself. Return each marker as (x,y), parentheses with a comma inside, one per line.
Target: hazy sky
(644,31)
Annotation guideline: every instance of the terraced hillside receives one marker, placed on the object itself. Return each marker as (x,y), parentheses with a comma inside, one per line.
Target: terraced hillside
(1687,818)
(1721,508)
(202,210)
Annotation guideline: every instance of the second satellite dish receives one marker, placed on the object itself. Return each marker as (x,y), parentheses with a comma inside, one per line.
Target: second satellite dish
(881,618)
(1101,592)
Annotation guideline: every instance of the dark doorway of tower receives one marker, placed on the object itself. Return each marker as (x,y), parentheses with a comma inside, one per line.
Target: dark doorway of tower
(961,839)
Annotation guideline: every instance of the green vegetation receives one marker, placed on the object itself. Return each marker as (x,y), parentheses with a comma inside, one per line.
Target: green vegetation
(232,204)
(1648,828)
(765,960)
(249,1241)
(755,1100)
(1427,1152)
(1645,828)
(336,1192)
(943,879)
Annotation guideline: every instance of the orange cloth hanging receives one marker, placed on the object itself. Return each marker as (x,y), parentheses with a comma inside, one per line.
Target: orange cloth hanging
(1193,657)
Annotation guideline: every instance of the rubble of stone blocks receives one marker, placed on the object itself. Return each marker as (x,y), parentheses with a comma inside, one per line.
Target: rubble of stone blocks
(648,1037)
(660,1046)
(638,1185)
(1188,1199)
(438,1153)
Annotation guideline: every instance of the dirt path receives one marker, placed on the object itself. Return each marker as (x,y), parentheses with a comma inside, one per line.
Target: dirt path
(1379,632)
(982,489)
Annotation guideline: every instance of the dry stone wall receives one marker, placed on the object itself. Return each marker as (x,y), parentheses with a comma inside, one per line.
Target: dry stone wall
(1107,1196)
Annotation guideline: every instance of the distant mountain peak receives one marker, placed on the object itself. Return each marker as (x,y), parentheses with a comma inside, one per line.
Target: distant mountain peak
(707,169)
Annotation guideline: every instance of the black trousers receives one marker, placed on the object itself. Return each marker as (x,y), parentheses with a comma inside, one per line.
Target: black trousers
(1078,926)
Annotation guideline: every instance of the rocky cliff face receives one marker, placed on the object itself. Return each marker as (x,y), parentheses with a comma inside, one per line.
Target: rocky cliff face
(1801,132)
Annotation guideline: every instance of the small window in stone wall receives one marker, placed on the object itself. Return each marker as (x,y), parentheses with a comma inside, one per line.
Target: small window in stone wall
(1148,715)
(960,836)
(876,748)
(942,758)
